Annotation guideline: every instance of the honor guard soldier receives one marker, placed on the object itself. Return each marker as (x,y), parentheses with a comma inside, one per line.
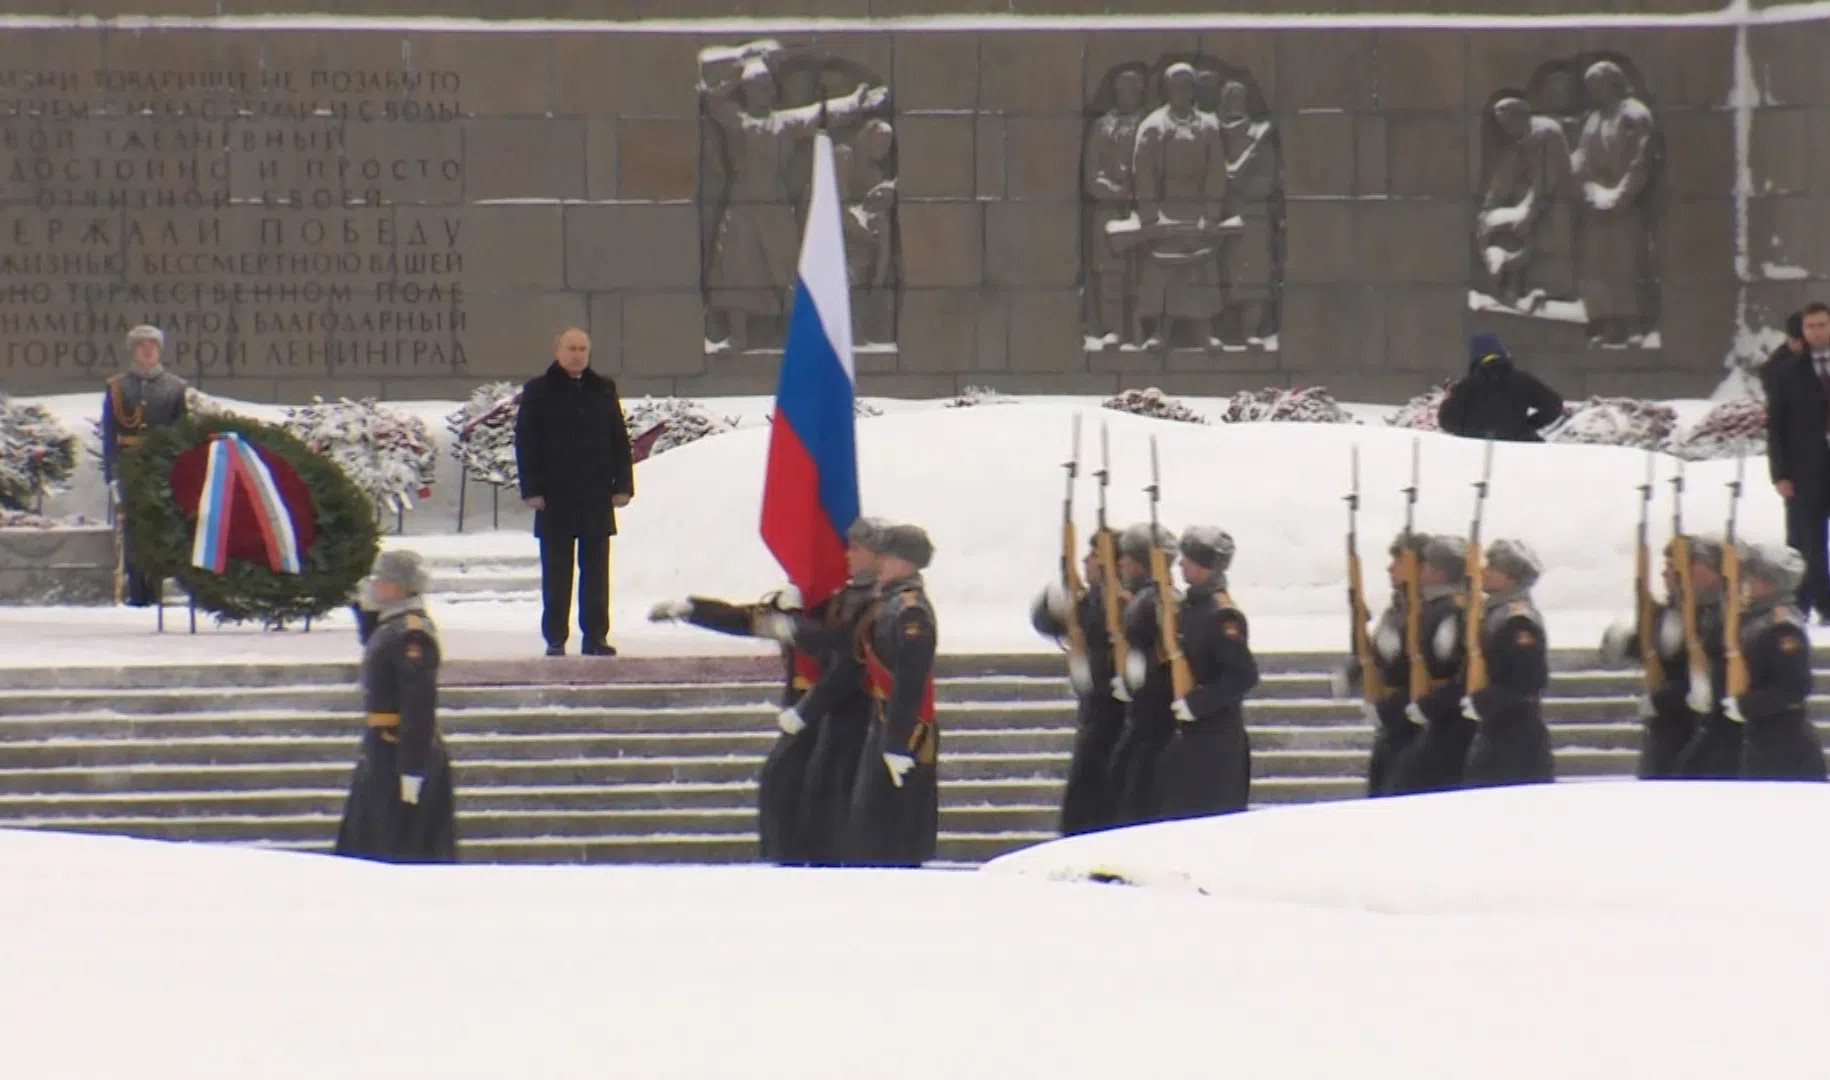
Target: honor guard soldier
(1207,766)
(401,806)
(1090,801)
(1511,744)
(895,815)
(1436,757)
(1674,711)
(1780,741)
(1392,730)
(144,397)
(1144,685)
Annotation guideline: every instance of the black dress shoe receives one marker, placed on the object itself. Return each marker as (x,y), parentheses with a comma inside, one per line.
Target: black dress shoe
(600,648)
(555,650)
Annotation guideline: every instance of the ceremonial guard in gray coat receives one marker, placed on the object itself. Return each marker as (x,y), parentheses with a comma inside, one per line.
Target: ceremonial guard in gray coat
(1780,741)
(401,806)
(1436,758)
(1207,766)
(895,810)
(1511,744)
(144,397)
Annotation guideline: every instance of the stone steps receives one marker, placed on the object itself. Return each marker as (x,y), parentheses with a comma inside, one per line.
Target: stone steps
(630,761)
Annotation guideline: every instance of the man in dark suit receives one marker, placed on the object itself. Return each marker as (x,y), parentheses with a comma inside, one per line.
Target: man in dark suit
(572,450)
(1798,455)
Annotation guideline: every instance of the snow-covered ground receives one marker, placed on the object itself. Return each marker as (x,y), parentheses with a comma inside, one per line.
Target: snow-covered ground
(987,483)
(1629,930)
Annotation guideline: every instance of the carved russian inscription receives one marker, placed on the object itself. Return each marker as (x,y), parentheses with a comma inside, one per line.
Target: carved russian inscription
(760,106)
(273,223)
(1183,222)
(1571,169)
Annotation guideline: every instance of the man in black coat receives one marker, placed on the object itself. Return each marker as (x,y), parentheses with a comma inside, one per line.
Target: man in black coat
(1090,801)
(572,450)
(1496,400)
(1798,457)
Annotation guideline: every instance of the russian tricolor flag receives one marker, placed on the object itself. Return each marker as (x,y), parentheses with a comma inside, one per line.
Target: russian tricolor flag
(810,493)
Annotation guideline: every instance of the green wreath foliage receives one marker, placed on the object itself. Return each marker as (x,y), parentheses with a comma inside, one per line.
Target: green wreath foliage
(342,551)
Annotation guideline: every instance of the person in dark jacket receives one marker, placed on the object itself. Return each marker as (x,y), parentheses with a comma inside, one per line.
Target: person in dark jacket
(1496,400)
(1511,743)
(1781,742)
(1392,730)
(1089,802)
(401,806)
(1207,767)
(1436,758)
(1798,456)
(572,450)
(1144,685)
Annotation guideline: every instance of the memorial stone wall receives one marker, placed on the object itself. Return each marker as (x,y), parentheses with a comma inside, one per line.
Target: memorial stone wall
(410,209)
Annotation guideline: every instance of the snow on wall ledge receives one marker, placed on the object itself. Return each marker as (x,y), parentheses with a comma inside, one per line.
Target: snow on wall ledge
(1730,15)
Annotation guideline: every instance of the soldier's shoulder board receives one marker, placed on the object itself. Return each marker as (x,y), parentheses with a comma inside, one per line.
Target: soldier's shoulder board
(414,622)
(1791,641)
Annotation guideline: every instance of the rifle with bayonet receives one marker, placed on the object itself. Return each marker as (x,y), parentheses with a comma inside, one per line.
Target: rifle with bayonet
(1687,593)
(1071,585)
(1645,608)
(1735,670)
(1372,683)
(1181,680)
(1410,569)
(1111,590)
(1475,672)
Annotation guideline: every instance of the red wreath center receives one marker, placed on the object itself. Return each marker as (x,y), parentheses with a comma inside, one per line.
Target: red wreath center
(245,540)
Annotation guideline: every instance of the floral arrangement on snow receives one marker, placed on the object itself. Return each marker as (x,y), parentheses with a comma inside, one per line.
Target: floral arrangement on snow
(19,519)
(1604,421)
(686,421)
(389,454)
(1732,429)
(483,434)
(1419,413)
(1309,405)
(36,454)
(1153,403)
(978,395)
(861,407)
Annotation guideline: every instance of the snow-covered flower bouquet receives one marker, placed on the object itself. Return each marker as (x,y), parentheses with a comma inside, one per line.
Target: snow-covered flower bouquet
(1732,429)
(1604,421)
(1419,413)
(387,453)
(1153,403)
(978,395)
(36,454)
(1309,405)
(686,421)
(483,434)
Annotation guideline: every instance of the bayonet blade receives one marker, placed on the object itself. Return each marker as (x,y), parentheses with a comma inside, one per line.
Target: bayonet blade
(1105,453)
(1353,492)
(1073,461)
(1410,493)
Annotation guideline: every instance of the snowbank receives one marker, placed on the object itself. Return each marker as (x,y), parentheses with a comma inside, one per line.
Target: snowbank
(1731,849)
(209,962)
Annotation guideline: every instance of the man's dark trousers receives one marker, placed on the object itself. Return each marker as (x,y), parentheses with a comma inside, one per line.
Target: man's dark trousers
(593,557)
(1808,532)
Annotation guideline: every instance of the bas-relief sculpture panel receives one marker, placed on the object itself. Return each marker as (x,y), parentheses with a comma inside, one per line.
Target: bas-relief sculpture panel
(1183,209)
(1571,172)
(761,105)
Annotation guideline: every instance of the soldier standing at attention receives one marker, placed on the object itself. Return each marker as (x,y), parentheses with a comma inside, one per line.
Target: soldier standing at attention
(143,397)
(401,806)
(895,818)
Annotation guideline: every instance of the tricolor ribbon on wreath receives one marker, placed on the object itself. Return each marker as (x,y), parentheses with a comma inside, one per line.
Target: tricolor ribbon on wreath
(237,480)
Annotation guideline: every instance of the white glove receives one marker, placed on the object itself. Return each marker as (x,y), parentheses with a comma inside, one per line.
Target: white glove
(1388,642)
(1137,669)
(1468,710)
(1614,642)
(1055,600)
(899,766)
(1731,708)
(791,722)
(1340,684)
(1080,675)
(1448,637)
(670,609)
(1414,714)
(1370,713)
(1120,692)
(409,789)
(1182,712)
(1702,696)
(778,626)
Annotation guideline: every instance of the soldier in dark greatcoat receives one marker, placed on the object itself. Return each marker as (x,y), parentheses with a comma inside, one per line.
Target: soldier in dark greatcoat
(1436,758)
(779,784)
(144,397)
(1089,801)
(1207,766)
(1780,741)
(1392,730)
(838,709)
(895,812)
(1673,712)
(401,806)
(1511,744)
(1144,685)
